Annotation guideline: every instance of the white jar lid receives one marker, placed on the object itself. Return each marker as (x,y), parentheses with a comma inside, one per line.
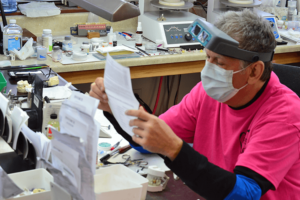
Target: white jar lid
(12,21)
(156,171)
(47,31)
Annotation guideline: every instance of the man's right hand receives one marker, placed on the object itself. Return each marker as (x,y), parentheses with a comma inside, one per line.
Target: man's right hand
(98,91)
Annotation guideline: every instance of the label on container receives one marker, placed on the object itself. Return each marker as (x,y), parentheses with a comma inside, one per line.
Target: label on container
(139,38)
(47,42)
(14,42)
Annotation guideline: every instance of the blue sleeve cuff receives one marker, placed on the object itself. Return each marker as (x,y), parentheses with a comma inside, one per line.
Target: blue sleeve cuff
(140,149)
(244,189)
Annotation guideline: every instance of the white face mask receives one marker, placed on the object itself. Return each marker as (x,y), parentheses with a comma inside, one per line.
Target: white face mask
(217,82)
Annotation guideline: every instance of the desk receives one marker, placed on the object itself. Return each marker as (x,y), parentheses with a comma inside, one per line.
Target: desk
(150,66)
(175,190)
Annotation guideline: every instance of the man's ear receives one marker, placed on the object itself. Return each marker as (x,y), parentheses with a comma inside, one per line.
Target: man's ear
(257,70)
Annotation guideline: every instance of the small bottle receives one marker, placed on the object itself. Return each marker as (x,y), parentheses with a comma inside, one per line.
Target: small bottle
(115,42)
(53,122)
(34,46)
(138,36)
(110,37)
(56,54)
(47,39)
(295,17)
(67,44)
(12,37)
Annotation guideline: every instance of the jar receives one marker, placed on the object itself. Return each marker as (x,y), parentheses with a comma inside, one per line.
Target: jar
(67,44)
(85,47)
(279,24)
(56,54)
(41,53)
(47,39)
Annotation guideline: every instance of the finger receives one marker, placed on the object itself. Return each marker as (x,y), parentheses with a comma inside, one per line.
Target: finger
(139,132)
(96,89)
(102,96)
(137,140)
(95,95)
(141,114)
(138,123)
(100,83)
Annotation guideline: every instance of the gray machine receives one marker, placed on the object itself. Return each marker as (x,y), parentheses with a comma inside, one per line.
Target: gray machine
(219,42)
(167,23)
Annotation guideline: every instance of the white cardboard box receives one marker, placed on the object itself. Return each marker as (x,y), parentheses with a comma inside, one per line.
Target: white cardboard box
(37,178)
(124,173)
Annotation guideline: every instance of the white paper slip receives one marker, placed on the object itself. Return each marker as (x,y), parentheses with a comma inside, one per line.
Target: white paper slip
(118,88)
(87,104)
(19,117)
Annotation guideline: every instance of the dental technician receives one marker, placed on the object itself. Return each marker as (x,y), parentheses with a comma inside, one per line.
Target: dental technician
(243,123)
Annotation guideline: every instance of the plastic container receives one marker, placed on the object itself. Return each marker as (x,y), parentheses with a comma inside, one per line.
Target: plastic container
(124,173)
(9,6)
(41,53)
(3,82)
(12,37)
(47,39)
(56,54)
(67,44)
(112,187)
(37,178)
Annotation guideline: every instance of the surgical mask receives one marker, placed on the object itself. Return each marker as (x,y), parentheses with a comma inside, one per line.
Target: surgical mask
(217,82)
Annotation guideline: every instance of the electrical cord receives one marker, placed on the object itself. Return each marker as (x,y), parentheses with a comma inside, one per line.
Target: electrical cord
(168,88)
(176,95)
(199,3)
(158,94)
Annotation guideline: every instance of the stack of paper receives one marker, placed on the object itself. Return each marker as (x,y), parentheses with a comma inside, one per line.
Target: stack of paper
(74,148)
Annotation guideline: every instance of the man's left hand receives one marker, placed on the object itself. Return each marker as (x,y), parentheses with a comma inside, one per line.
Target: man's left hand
(153,134)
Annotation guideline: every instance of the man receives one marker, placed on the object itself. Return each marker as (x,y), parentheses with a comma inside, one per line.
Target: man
(244,124)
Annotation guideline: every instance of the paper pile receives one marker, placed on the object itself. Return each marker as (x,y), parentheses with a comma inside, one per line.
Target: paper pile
(39,9)
(74,150)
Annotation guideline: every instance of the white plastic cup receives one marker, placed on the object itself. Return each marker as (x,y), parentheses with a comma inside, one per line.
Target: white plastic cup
(41,53)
